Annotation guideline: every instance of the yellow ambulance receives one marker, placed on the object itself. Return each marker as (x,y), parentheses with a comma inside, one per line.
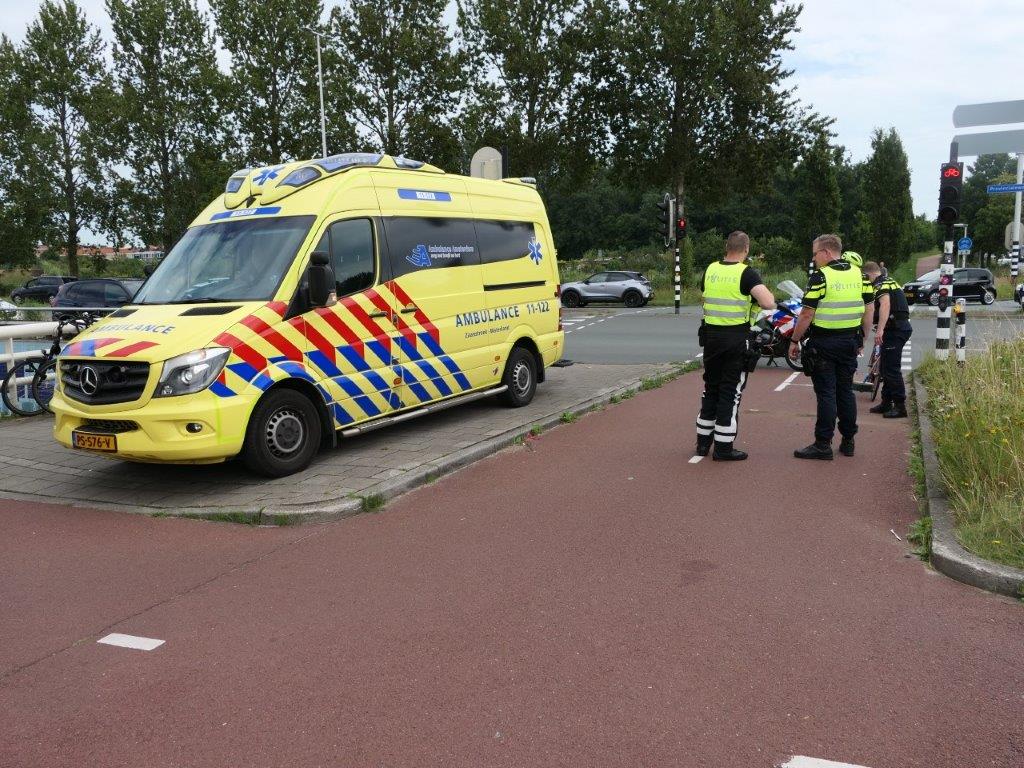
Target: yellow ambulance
(315,299)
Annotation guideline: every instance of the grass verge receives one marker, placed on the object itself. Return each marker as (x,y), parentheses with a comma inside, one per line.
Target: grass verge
(979,438)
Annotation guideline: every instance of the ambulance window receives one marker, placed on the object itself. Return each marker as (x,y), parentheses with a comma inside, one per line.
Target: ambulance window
(350,244)
(416,244)
(504,240)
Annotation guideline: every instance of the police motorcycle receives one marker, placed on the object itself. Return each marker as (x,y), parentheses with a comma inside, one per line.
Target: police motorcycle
(773,330)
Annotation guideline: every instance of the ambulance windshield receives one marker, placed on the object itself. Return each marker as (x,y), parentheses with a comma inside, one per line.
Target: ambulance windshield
(237,260)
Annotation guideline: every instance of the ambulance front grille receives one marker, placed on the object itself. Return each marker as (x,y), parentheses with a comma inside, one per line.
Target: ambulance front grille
(98,382)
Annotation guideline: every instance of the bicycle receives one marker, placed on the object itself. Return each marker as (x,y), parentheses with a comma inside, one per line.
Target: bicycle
(31,382)
(873,378)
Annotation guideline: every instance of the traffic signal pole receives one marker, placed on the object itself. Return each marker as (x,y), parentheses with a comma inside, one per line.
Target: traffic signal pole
(950,199)
(678,280)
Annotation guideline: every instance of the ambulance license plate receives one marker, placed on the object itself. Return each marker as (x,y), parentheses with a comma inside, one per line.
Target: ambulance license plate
(94,442)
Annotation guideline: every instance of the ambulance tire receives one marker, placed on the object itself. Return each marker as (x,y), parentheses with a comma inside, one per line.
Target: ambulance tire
(520,377)
(283,434)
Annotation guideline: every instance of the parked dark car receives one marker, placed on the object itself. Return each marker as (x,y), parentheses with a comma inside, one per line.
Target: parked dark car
(97,292)
(42,288)
(970,283)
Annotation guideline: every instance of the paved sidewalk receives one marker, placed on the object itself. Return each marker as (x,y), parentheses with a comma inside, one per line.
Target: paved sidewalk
(380,464)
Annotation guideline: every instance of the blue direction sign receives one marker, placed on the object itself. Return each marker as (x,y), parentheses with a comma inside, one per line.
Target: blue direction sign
(964,244)
(1001,189)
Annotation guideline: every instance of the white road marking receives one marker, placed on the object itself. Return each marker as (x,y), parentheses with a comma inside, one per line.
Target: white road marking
(131,641)
(799,761)
(696,459)
(787,382)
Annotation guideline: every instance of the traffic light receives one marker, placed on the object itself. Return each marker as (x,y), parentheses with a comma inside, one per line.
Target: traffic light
(666,213)
(951,192)
(680,228)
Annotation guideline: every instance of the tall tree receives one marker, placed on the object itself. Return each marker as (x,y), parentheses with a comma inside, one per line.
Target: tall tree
(274,79)
(990,220)
(21,206)
(70,93)
(545,62)
(886,203)
(170,106)
(702,101)
(817,205)
(406,73)
(985,170)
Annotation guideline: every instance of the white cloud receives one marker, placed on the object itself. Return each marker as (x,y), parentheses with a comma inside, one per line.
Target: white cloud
(906,64)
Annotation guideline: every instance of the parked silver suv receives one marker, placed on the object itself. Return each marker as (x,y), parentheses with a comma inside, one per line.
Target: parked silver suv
(631,288)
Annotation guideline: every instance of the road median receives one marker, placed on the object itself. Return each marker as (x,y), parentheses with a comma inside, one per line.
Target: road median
(947,554)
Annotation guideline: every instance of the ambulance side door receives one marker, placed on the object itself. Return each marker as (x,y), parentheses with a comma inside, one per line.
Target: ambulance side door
(350,342)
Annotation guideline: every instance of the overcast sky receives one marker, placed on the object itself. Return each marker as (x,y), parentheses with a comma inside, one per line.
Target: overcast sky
(867,63)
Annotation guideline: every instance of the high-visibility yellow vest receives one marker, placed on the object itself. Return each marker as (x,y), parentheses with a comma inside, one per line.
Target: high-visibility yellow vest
(842,306)
(723,302)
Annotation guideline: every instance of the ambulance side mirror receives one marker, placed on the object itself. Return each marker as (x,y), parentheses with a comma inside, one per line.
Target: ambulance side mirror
(321,280)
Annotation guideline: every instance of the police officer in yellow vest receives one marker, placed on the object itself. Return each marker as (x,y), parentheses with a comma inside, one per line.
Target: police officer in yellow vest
(729,287)
(836,318)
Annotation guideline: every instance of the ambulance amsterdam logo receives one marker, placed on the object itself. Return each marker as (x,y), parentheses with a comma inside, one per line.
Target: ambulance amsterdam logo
(419,257)
(535,252)
(88,380)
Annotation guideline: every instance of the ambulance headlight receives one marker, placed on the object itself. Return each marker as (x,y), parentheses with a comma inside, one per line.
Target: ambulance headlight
(191,372)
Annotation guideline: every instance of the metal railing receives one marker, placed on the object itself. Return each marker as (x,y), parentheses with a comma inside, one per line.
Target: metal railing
(31,331)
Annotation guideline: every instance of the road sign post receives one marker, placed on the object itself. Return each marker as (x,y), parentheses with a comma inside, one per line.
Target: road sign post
(1015,256)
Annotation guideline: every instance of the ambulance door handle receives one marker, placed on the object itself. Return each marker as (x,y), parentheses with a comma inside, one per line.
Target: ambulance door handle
(379,314)
(407,310)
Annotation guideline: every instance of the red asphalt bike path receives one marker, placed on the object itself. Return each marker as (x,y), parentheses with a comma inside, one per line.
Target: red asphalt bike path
(590,599)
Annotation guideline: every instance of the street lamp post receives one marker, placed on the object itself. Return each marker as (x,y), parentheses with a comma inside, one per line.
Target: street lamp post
(320,83)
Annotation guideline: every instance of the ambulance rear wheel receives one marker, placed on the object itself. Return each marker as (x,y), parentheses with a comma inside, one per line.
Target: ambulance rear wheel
(283,434)
(520,377)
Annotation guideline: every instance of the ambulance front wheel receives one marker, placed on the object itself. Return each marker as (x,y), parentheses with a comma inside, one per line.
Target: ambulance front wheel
(283,434)
(520,377)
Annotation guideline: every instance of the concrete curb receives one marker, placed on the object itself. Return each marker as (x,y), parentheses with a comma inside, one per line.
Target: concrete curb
(948,556)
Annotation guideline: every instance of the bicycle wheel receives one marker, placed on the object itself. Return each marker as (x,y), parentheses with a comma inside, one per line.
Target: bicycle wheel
(876,378)
(43,384)
(16,389)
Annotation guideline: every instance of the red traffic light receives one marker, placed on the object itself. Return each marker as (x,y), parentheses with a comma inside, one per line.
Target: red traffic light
(952,172)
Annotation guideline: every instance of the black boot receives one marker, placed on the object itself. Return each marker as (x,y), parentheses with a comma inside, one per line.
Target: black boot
(704,443)
(816,450)
(898,411)
(881,408)
(846,446)
(725,452)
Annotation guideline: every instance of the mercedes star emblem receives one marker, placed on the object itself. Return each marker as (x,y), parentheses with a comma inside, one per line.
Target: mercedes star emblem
(88,380)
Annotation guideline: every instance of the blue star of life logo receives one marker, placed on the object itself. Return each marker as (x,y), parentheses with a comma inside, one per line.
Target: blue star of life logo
(535,252)
(265,175)
(419,257)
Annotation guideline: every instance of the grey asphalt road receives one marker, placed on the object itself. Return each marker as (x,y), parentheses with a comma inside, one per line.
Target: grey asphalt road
(658,335)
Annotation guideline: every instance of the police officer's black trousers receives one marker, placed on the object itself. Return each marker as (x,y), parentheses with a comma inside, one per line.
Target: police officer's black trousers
(890,366)
(833,384)
(724,380)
